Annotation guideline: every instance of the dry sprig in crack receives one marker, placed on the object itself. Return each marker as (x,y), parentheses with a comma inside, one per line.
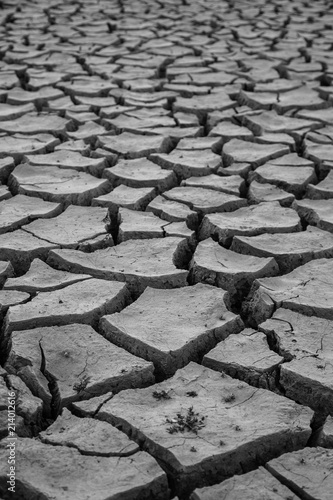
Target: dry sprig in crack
(190,422)
(81,384)
(52,385)
(161,395)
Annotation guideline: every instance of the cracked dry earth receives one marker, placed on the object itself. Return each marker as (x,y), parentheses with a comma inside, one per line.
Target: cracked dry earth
(166,246)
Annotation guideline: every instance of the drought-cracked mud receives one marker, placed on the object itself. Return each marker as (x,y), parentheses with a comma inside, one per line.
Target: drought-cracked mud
(166,220)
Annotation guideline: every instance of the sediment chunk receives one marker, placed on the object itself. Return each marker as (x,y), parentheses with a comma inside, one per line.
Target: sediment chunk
(250,221)
(139,263)
(172,327)
(231,426)
(62,473)
(82,361)
(307,289)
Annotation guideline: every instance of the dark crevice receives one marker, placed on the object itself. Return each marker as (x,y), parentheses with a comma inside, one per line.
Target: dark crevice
(317,425)
(55,407)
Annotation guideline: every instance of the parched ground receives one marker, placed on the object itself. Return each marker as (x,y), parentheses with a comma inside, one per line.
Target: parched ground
(166,246)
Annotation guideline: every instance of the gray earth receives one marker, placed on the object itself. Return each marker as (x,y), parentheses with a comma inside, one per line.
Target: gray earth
(166,236)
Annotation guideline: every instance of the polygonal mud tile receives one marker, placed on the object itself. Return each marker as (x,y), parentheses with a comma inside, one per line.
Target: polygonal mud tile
(216,79)
(205,200)
(292,179)
(95,103)
(90,87)
(186,119)
(39,78)
(88,132)
(306,344)
(125,123)
(302,98)
(61,62)
(256,154)
(174,134)
(307,472)
(250,221)
(182,230)
(19,96)
(216,117)
(32,123)
(258,72)
(21,209)
(202,104)
(83,228)
(322,136)
(14,56)
(139,225)
(68,159)
(143,99)
(290,250)
(57,184)
(241,169)
(246,356)
(64,474)
(316,212)
(59,105)
(7,165)
(174,71)
(270,121)
(257,100)
(320,115)
(186,163)
(89,436)
(5,194)
(186,90)
(82,361)
(43,278)
(110,111)
(81,302)
(8,80)
(126,197)
(272,138)
(18,145)
(255,485)
(173,211)
(189,422)
(172,327)
(140,263)
(134,145)
(9,112)
(81,117)
(20,248)
(28,407)
(228,131)
(110,158)
(213,143)
(225,269)
(323,190)
(140,173)
(258,193)
(307,289)
(6,271)
(296,70)
(319,153)
(74,146)
(233,184)
(10,298)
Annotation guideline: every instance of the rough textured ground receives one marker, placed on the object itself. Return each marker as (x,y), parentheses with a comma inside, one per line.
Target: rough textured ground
(166,245)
